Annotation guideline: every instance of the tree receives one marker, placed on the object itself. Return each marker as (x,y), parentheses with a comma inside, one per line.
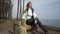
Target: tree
(22,24)
(5,9)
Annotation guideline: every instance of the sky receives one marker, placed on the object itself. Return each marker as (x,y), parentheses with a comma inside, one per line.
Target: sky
(45,9)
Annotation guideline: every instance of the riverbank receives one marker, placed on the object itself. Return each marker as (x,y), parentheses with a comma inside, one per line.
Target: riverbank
(6,27)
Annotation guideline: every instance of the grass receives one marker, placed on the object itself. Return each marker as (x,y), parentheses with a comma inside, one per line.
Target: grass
(9,25)
(2,21)
(53,28)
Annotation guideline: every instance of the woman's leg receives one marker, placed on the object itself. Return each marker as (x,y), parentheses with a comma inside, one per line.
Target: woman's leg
(41,26)
(30,22)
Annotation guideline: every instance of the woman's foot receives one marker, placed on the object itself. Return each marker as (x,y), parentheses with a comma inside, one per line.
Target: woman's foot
(34,32)
(47,32)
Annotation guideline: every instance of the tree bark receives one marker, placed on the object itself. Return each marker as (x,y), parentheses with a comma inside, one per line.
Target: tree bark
(22,24)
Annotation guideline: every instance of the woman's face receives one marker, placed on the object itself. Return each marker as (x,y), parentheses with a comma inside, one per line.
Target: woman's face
(30,5)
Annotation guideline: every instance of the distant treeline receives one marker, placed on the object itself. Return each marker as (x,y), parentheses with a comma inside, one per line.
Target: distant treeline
(5,9)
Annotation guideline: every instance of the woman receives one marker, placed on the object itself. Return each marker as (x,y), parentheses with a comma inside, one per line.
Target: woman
(32,17)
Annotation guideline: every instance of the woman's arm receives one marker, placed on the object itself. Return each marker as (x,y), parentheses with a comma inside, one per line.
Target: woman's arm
(35,15)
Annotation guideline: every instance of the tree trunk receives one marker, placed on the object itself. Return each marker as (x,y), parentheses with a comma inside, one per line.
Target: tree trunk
(22,24)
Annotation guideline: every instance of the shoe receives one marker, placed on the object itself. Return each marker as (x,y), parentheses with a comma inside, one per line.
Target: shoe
(34,31)
(46,32)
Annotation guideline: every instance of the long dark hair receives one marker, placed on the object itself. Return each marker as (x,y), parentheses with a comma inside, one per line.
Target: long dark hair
(28,6)
(31,9)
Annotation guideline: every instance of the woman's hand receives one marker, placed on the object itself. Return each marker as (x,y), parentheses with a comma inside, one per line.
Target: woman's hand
(35,21)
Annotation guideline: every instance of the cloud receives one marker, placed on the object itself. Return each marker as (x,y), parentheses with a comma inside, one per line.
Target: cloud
(40,2)
(45,9)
